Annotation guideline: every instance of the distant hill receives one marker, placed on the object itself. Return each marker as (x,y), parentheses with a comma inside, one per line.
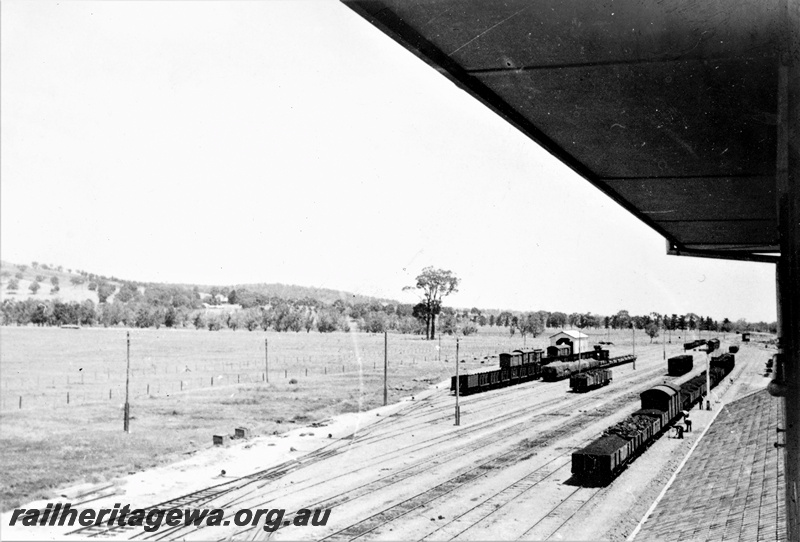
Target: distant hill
(74,286)
(25,274)
(292,291)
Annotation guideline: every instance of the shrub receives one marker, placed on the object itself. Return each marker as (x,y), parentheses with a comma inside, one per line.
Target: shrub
(214,323)
(104,291)
(13,284)
(327,321)
(34,287)
(374,322)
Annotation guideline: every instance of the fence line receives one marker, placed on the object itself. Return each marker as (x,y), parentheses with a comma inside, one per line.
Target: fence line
(91,386)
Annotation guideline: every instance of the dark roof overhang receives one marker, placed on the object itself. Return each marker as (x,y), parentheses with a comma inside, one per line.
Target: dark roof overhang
(669,108)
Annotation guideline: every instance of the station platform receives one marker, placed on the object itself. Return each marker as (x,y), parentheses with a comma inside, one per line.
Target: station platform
(732,486)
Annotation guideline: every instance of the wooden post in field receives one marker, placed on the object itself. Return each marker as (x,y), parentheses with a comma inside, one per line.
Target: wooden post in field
(633,342)
(385,368)
(127,414)
(266,361)
(458,408)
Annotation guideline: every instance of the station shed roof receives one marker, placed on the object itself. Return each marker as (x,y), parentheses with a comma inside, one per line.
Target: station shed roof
(571,333)
(670,108)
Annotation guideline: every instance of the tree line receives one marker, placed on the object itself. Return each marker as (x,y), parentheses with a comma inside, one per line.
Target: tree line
(252,308)
(174,307)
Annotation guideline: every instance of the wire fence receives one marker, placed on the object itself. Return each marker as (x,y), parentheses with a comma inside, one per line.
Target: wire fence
(77,377)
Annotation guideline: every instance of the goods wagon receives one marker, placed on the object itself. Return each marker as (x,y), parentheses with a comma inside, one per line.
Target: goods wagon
(664,398)
(486,378)
(526,364)
(561,351)
(596,462)
(712,344)
(562,370)
(680,365)
(512,359)
(604,458)
(724,361)
(529,355)
(693,344)
(693,390)
(589,380)
(733,349)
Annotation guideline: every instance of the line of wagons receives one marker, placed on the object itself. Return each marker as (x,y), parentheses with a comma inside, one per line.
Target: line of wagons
(680,365)
(603,459)
(710,344)
(528,364)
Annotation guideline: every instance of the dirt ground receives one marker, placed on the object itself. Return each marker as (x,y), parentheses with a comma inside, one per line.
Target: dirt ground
(407,472)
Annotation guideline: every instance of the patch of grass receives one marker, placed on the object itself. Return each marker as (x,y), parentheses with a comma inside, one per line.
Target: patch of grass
(48,444)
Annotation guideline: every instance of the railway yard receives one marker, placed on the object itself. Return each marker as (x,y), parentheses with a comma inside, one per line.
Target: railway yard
(405,471)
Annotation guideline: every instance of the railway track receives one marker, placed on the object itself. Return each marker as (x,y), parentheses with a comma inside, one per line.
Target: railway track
(522,450)
(420,467)
(243,490)
(468,406)
(484,509)
(549,525)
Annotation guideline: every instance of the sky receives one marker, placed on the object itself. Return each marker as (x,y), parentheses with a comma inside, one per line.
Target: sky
(290,141)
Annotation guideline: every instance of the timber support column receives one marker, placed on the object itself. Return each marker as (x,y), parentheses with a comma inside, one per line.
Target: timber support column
(787,371)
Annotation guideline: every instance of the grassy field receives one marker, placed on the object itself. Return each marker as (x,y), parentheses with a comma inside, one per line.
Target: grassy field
(176,408)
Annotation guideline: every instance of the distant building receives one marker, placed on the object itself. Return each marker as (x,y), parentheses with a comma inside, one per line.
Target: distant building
(577,340)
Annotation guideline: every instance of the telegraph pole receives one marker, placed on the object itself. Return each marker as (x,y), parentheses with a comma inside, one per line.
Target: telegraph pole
(385,368)
(127,416)
(458,385)
(708,379)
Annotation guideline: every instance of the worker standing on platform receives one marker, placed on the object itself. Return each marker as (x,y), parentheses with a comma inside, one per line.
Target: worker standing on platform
(687,421)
